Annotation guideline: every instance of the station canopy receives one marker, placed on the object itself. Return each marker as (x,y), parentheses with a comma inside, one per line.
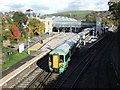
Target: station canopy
(65,22)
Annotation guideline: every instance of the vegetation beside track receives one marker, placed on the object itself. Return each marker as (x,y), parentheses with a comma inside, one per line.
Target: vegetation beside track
(9,60)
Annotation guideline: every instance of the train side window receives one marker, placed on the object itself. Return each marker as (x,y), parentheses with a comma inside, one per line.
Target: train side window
(67,56)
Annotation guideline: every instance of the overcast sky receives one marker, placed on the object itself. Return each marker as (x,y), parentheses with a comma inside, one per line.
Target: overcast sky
(53,6)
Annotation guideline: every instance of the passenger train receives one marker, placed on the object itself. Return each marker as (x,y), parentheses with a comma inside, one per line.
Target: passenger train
(60,57)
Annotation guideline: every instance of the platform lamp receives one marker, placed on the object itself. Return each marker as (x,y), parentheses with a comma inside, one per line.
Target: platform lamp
(28,38)
(28,42)
(49,37)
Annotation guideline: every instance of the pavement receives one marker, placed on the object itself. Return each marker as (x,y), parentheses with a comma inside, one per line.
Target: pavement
(48,43)
(38,45)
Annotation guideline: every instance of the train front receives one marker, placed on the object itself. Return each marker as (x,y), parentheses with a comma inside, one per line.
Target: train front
(56,61)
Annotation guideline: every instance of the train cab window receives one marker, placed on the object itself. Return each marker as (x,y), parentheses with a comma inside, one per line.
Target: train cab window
(61,58)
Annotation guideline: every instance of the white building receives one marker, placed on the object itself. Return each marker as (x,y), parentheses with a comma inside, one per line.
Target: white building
(30,13)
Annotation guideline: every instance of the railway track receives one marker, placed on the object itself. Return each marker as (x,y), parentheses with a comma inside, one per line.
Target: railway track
(38,81)
(38,77)
(98,53)
(33,75)
(41,80)
(69,78)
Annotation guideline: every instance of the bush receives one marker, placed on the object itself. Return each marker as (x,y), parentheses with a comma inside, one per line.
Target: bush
(5,35)
(13,42)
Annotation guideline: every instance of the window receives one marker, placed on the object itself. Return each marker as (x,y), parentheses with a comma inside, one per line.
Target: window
(61,58)
(67,56)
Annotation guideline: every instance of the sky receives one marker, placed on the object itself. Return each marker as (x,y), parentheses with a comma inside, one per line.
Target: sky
(52,6)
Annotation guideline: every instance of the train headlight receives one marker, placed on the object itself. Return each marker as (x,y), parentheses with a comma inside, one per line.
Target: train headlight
(50,63)
(60,61)
(61,64)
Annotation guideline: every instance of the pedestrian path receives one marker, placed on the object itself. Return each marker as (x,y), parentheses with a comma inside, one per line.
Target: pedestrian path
(39,45)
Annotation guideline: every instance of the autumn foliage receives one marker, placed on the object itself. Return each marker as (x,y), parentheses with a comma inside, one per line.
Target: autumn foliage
(15,32)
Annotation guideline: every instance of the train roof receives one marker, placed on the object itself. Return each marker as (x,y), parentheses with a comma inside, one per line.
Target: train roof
(58,51)
(84,32)
(64,47)
(67,45)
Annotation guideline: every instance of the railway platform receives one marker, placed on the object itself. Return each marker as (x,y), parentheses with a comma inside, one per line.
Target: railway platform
(90,41)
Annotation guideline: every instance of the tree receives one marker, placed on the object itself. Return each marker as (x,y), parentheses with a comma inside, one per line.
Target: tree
(90,18)
(7,23)
(15,33)
(5,35)
(117,15)
(36,27)
(105,19)
(20,18)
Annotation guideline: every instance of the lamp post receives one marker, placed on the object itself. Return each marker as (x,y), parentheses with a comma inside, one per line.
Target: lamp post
(64,31)
(49,37)
(28,38)
(28,42)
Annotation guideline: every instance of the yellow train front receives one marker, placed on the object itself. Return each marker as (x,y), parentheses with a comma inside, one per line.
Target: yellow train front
(58,60)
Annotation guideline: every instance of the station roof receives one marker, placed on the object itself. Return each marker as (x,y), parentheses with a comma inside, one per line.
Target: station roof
(63,19)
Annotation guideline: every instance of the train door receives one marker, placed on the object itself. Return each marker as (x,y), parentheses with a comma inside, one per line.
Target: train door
(55,61)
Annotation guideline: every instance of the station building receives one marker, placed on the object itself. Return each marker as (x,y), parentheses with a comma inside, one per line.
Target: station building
(61,24)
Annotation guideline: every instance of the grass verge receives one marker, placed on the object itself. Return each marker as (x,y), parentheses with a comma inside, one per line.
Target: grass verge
(12,59)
